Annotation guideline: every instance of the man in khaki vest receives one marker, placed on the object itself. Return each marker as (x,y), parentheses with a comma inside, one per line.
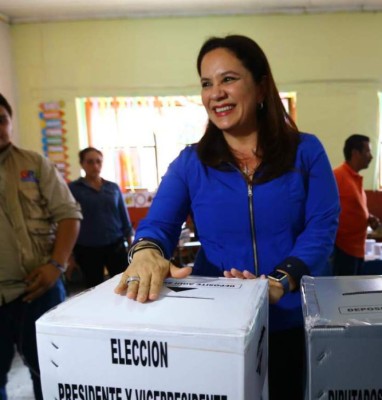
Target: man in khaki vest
(39,224)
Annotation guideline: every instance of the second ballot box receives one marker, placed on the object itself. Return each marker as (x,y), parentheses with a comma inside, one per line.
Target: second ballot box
(343,326)
(204,338)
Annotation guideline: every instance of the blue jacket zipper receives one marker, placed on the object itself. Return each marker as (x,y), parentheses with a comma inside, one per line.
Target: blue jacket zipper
(252,220)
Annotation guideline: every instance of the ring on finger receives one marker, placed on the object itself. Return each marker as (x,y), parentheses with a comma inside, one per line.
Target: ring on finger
(132,279)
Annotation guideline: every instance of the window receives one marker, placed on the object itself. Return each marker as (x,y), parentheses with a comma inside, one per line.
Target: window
(289,101)
(378,154)
(140,136)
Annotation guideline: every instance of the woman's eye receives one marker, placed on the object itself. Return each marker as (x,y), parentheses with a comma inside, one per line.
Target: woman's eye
(205,84)
(228,79)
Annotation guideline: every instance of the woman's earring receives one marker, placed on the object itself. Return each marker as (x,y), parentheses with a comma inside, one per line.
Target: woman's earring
(261,106)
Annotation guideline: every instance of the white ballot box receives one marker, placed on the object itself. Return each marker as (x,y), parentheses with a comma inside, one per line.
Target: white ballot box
(343,326)
(203,339)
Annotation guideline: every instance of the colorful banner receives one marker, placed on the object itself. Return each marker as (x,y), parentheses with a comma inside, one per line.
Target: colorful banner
(54,135)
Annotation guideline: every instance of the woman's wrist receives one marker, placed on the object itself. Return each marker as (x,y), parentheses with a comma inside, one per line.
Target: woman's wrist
(143,245)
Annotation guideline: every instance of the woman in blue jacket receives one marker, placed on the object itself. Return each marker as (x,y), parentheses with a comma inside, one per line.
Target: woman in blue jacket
(106,225)
(262,196)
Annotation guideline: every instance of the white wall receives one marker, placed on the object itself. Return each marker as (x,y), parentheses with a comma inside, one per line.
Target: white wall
(7,76)
(332,61)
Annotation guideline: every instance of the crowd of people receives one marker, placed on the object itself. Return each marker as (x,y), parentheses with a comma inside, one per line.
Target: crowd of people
(261,194)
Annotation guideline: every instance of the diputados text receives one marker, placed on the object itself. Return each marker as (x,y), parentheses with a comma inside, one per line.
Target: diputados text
(143,353)
(355,394)
(68,391)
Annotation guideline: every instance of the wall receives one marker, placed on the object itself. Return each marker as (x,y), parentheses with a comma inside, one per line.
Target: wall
(374,202)
(7,79)
(333,62)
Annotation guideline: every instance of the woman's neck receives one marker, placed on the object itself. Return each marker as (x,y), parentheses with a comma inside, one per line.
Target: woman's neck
(242,146)
(95,182)
(246,153)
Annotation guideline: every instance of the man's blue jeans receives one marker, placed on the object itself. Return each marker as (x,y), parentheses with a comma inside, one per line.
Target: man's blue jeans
(18,330)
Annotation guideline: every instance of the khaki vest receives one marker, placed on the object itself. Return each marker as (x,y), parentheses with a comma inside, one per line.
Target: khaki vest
(36,198)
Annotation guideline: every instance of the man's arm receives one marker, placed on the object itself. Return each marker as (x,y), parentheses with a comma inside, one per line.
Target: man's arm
(373,222)
(66,236)
(44,277)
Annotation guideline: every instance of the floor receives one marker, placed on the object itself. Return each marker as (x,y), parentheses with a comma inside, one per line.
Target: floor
(19,385)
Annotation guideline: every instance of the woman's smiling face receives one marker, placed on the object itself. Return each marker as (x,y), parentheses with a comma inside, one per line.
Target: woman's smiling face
(229,92)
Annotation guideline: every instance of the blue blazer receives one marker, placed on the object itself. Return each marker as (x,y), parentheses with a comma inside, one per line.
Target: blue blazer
(288,222)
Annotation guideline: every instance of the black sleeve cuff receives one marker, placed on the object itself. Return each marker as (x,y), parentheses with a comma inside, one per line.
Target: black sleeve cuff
(295,268)
(149,239)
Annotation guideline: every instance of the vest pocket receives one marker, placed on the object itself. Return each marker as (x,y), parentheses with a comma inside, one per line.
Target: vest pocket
(33,204)
(37,219)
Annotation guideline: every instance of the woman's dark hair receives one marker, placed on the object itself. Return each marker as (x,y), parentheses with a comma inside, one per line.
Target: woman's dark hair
(354,142)
(4,103)
(83,153)
(278,136)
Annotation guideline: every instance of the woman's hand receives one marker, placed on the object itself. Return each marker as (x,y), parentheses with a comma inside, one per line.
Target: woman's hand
(276,290)
(151,269)
(235,273)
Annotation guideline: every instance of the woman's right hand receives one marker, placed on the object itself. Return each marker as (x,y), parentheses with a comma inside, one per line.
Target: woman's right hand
(151,269)
(275,289)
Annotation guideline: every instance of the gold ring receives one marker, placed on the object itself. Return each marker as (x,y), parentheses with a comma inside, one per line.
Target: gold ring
(132,279)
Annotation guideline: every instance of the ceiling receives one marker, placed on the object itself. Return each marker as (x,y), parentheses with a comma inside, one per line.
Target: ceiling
(21,11)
